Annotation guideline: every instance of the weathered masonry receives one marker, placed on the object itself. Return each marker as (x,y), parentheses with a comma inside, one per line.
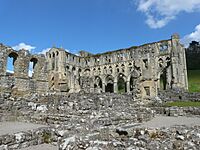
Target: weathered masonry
(141,71)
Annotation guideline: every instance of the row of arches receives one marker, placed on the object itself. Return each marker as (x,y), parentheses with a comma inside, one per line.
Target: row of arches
(119,85)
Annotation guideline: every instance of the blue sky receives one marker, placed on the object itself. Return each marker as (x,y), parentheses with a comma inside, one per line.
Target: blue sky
(96,25)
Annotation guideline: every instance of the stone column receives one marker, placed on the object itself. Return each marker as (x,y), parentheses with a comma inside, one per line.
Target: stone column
(128,86)
(168,78)
(103,87)
(115,87)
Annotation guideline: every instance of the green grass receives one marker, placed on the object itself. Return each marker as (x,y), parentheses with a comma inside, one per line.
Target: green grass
(194,80)
(183,104)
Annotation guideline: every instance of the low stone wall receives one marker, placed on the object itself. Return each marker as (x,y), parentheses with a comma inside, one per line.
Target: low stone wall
(22,86)
(177,137)
(27,138)
(178,111)
(93,109)
(173,95)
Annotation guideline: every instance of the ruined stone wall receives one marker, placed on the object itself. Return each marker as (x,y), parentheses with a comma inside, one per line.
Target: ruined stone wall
(142,70)
(19,82)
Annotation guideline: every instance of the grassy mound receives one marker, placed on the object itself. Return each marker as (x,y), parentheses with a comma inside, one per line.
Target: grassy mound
(194,80)
(183,104)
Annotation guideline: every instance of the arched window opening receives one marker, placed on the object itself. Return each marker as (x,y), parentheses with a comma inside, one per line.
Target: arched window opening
(121,83)
(32,66)
(11,59)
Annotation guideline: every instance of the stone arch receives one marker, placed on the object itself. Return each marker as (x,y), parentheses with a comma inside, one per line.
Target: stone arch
(109,84)
(32,66)
(11,62)
(121,83)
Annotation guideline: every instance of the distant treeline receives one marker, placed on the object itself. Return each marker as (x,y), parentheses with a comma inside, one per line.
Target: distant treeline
(193,56)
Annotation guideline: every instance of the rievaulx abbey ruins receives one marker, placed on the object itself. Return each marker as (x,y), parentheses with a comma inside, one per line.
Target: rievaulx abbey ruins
(117,100)
(142,71)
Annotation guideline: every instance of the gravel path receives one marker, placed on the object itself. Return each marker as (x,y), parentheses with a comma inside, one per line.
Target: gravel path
(163,121)
(41,147)
(14,127)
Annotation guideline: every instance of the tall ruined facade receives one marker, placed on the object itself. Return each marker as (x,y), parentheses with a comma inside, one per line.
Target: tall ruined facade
(141,71)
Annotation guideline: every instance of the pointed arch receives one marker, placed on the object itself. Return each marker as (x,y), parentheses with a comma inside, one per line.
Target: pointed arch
(109,84)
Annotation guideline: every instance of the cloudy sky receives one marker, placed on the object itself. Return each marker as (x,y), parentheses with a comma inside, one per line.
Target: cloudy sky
(96,25)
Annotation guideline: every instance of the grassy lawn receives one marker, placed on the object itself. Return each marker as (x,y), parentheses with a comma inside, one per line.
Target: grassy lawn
(194,80)
(183,104)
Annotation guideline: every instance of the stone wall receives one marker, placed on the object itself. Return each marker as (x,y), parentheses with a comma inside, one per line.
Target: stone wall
(20,81)
(27,138)
(177,95)
(178,111)
(177,137)
(140,70)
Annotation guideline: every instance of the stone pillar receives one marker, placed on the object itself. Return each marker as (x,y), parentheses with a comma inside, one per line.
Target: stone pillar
(169,78)
(115,87)
(103,87)
(128,86)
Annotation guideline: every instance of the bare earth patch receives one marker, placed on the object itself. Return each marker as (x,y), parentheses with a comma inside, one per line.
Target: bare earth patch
(14,127)
(163,121)
(41,147)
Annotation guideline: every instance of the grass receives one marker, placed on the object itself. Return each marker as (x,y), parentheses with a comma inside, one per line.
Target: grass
(183,104)
(194,80)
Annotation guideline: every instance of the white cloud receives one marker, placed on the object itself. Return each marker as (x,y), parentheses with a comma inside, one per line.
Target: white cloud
(67,50)
(194,36)
(23,46)
(44,51)
(9,71)
(160,12)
